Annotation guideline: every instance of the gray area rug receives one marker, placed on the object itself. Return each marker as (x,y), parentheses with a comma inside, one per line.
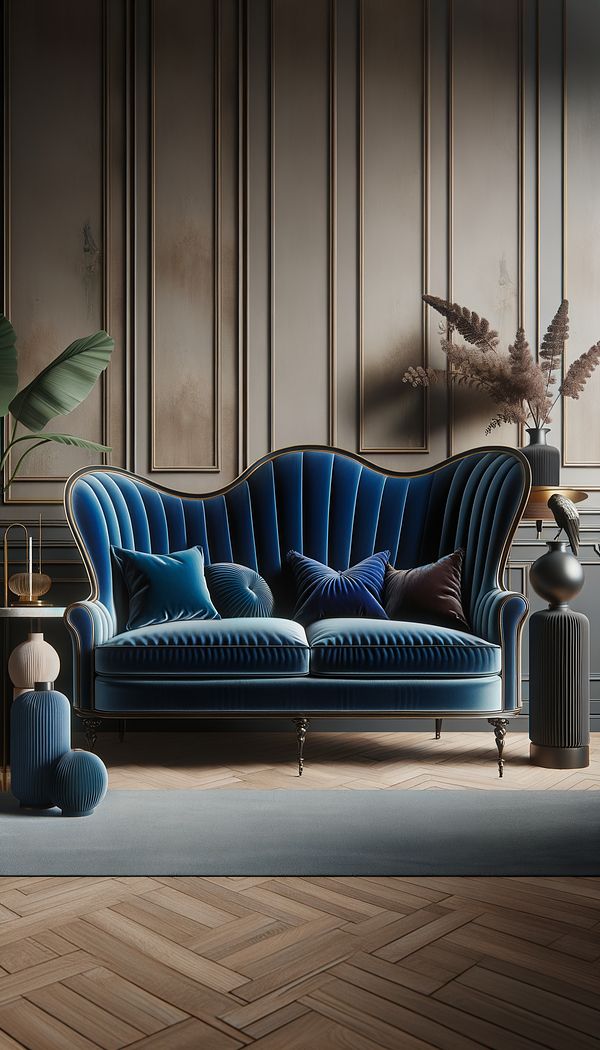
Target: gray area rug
(310,833)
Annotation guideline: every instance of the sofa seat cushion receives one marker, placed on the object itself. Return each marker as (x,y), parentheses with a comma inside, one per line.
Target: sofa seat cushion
(251,645)
(397,648)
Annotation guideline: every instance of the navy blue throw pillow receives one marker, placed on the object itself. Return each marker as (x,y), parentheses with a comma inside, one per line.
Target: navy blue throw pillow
(164,587)
(237,590)
(323,593)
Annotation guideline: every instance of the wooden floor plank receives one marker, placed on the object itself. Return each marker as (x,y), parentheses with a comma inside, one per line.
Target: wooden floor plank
(518,1021)
(125,1000)
(84,1016)
(37,1030)
(536,1001)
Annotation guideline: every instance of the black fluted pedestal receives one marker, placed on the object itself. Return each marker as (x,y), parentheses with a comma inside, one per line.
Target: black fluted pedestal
(559,689)
(559,666)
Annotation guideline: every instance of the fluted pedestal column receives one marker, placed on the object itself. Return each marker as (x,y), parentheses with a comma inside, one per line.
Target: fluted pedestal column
(559,689)
(559,666)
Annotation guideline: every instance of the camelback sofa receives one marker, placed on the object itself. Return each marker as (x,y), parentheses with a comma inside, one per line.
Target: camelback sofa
(339,509)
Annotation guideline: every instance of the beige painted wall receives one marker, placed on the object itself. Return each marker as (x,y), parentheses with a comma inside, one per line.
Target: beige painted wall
(252,196)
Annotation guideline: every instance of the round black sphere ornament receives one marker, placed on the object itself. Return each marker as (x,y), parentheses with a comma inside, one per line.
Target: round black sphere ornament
(557,576)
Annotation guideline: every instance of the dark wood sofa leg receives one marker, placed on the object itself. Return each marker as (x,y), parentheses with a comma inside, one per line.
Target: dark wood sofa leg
(90,726)
(500,726)
(438,728)
(121,729)
(302,725)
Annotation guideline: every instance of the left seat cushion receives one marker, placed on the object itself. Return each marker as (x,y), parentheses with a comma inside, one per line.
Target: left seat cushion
(252,645)
(395,648)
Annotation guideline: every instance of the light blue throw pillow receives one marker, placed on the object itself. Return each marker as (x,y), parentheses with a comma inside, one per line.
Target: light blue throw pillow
(164,587)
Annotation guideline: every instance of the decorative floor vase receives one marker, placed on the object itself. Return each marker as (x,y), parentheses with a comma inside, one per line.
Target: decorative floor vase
(79,783)
(34,660)
(559,665)
(40,732)
(544,459)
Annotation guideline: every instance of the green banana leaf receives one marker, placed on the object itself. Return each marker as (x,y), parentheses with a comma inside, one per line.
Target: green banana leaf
(8,364)
(64,383)
(59,439)
(64,439)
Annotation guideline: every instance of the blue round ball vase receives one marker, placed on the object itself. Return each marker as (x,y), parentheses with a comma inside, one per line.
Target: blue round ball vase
(40,732)
(79,784)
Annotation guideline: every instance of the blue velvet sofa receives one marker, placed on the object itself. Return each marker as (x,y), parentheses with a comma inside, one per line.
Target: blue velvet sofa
(334,507)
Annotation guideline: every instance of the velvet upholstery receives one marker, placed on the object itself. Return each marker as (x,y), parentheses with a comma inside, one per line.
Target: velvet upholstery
(391,648)
(332,507)
(245,645)
(254,695)
(323,592)
(428,593)
(237,590)
(164,587)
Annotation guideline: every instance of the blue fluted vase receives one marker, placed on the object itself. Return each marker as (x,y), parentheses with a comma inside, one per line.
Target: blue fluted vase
(79,784)
(40,732)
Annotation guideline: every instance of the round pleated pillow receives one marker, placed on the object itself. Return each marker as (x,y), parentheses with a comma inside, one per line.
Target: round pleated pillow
(237,590)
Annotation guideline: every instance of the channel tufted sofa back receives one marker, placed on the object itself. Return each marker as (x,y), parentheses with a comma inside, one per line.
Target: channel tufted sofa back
(323,502)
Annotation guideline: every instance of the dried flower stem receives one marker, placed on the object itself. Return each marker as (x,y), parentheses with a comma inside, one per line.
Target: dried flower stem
(516,382)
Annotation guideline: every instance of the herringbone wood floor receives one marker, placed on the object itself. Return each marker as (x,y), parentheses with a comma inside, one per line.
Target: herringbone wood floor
(361,761)
(215,964)
(298,963)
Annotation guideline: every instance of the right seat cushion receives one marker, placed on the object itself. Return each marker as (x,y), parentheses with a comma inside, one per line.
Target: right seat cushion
(395,648)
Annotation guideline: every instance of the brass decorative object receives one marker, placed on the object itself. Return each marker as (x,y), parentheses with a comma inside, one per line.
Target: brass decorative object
(29,586)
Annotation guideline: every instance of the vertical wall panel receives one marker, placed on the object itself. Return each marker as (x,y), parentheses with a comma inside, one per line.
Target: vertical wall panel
(55,278)
(486,188)
(257,192)
(185,235)
(394,229)
(581,441)
(301,221)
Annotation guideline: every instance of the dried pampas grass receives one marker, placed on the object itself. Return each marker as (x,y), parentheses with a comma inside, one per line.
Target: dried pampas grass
(519,385)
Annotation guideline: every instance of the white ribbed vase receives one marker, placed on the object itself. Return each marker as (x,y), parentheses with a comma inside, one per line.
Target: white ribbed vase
(32,661)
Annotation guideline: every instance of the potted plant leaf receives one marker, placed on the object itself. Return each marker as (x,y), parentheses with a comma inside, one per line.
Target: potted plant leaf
(522,388)
(55,391)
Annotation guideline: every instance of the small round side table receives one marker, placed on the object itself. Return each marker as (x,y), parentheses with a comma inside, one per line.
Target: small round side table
(33,613)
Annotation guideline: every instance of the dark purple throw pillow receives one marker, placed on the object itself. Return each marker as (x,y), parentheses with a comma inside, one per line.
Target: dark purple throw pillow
(427,594)
(323,593)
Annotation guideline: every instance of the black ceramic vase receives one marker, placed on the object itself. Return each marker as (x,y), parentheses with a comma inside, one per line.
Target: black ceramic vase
(544,459)
(559,665)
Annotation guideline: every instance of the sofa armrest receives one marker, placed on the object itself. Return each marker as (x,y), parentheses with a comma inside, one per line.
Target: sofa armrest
(499,617)
(90,624)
